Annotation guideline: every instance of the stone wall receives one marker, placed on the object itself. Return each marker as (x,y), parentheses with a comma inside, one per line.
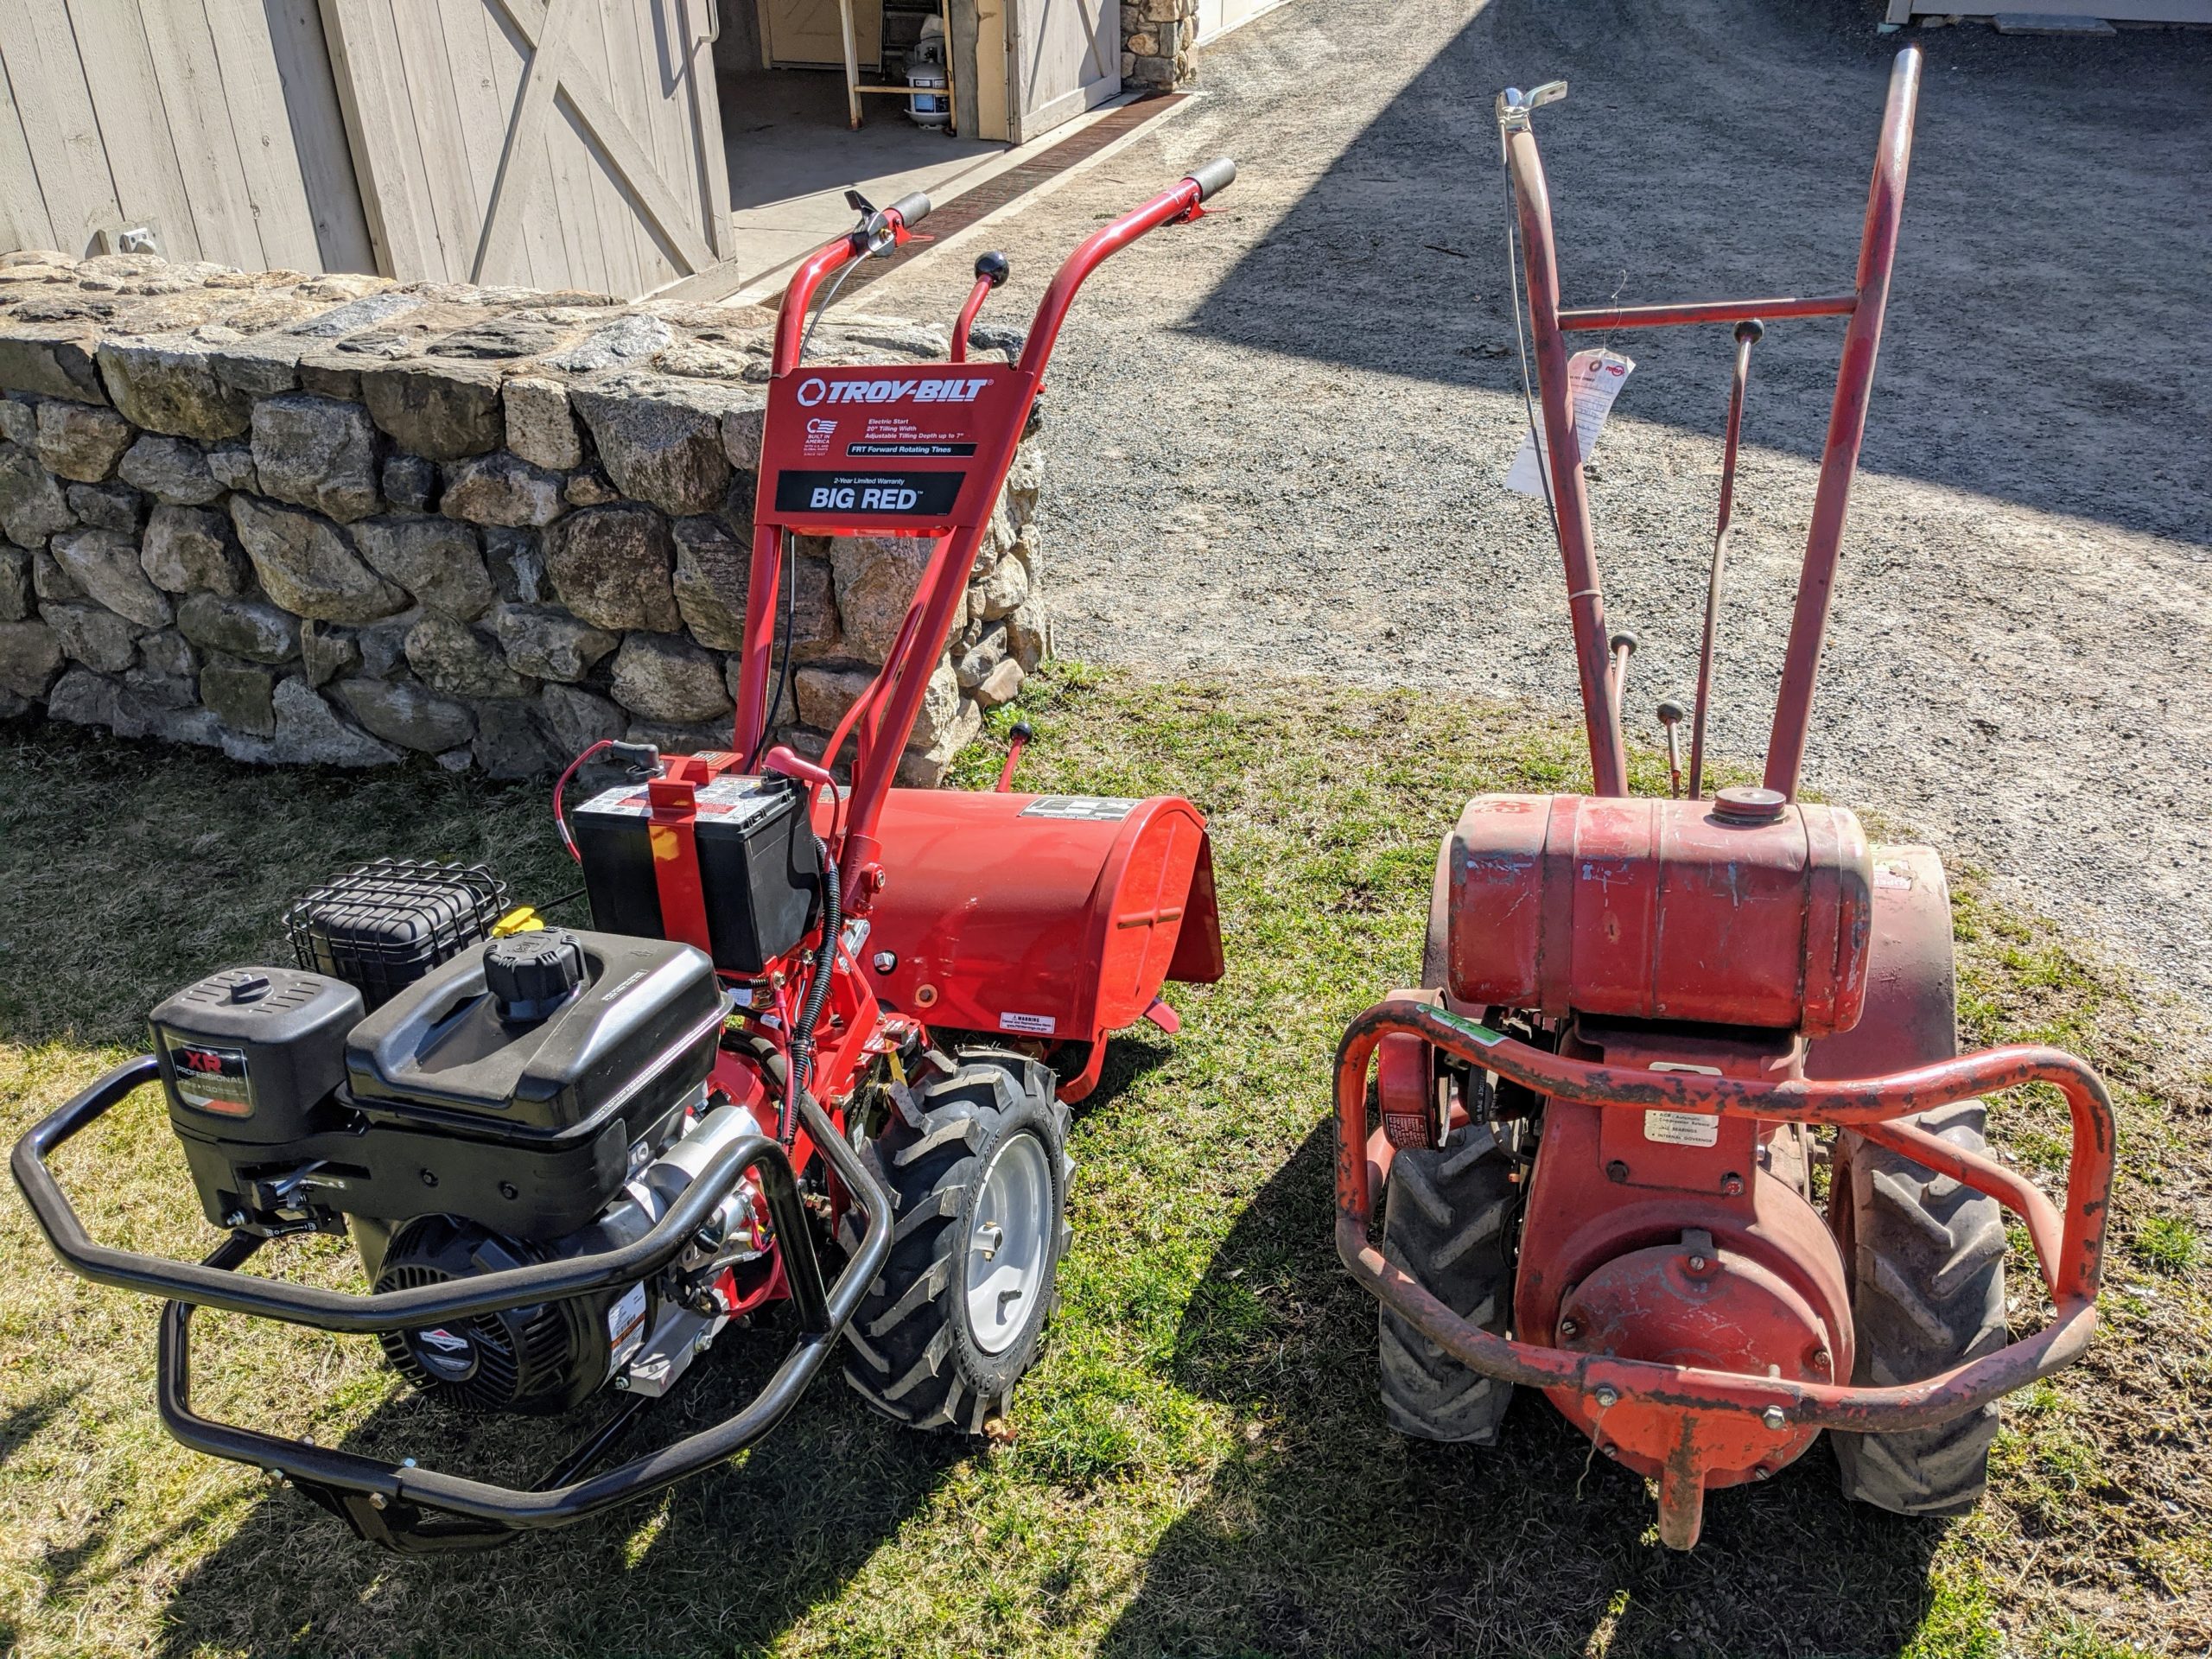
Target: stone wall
(332,519)
(1156,37)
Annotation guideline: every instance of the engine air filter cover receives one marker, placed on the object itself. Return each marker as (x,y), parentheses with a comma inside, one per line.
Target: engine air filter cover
(383,926)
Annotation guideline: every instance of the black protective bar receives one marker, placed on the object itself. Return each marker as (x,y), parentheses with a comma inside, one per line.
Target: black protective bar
(385,1501)
(208,1285)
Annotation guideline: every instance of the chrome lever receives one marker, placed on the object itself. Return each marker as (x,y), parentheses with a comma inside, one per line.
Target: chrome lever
(1515,106)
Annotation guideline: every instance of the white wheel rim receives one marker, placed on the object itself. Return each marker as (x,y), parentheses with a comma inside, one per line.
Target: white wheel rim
(1008,1241)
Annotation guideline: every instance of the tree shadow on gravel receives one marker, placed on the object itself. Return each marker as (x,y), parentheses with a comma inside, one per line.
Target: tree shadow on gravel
(1327,1533)
(723,1562)
(2048,308)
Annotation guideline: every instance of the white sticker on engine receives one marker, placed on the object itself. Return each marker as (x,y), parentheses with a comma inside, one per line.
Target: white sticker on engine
(626,1325)
(1037,1025)
(1682,1128)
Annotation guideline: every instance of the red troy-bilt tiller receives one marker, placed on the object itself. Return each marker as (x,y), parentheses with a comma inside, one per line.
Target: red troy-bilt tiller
(1600,1116)
(569,1159)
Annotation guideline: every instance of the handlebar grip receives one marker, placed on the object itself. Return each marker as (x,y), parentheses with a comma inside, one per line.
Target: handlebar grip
(911,210)
(1214,177)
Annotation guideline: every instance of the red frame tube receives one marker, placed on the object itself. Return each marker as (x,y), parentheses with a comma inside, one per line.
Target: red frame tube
(1854,382)
(2069,1246)
(976,296)
(1606,317)
(1586,599)
(895,698)
(1840,455)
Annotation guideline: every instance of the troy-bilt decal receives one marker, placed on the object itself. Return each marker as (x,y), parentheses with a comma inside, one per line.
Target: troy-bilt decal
(1083,808)
(817,389)
(904,494)
(1037,1025)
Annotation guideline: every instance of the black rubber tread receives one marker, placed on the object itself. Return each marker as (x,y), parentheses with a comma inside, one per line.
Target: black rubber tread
(911,1356)
(1447,1225)
(1926,1258)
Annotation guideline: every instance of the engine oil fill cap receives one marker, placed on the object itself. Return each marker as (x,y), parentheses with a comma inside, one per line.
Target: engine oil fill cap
(531,974)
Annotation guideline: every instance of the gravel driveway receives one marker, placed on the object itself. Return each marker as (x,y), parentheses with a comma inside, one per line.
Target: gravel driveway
(1277,437)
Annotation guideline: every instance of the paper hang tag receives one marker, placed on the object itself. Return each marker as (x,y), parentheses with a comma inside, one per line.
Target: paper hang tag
(1593,380)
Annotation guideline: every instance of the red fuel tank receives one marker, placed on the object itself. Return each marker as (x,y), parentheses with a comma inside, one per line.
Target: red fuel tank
(1051,917)
(1744,910)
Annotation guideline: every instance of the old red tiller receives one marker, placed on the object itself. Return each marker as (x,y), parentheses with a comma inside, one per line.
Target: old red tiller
(1597,1118)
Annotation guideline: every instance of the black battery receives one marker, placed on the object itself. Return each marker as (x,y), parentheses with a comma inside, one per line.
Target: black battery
(760,870)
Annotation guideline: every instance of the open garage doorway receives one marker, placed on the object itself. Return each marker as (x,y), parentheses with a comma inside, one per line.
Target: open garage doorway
(1015,71)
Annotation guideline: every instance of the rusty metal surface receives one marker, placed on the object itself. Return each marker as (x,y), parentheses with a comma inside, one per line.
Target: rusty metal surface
(2072,1268)
(1659,909)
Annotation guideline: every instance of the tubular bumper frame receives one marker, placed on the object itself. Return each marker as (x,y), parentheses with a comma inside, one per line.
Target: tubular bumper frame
(2068,1247)
(415,1509)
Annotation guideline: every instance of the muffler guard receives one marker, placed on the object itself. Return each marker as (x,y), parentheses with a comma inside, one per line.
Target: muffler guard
(1041,918)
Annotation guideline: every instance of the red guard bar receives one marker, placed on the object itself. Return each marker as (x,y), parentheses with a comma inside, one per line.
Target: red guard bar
(1854,380)
(2070,1245)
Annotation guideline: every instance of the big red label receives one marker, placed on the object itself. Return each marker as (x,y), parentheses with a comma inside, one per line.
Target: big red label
(915,449)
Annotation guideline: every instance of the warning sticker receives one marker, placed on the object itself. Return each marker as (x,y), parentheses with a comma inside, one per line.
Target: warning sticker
(1037,1025)
(1085,809)
(1682,1128)
(626,1324)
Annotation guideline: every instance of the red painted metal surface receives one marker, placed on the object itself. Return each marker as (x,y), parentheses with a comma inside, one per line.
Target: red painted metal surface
(1839,458)
(1910,1016)
(1715,977)
(1657,909)
(1605,318)
(922,426)
(1854,384)
(1038,917)
(1406,1081)
(1570,501)
(2069,1244)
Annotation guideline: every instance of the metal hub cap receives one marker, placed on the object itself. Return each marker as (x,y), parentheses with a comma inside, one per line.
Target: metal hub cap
(1008,1241)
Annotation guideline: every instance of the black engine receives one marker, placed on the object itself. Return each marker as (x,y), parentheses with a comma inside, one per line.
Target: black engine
(509,1101)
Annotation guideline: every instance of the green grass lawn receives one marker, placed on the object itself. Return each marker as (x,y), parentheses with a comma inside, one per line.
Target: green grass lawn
(1198,1464)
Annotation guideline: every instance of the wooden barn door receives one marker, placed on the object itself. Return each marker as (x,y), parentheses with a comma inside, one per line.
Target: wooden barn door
(554,143)
(1064,57)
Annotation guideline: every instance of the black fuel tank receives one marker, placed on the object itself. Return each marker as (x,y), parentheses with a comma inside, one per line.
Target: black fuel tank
(635,1034)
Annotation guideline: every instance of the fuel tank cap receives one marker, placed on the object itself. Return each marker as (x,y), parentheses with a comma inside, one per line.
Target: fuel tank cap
(1743,803)
(531,974)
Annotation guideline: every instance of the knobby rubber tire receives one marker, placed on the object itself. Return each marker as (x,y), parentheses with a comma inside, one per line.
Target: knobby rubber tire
(1447,1225)
(912,1353)
(1926,1258)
